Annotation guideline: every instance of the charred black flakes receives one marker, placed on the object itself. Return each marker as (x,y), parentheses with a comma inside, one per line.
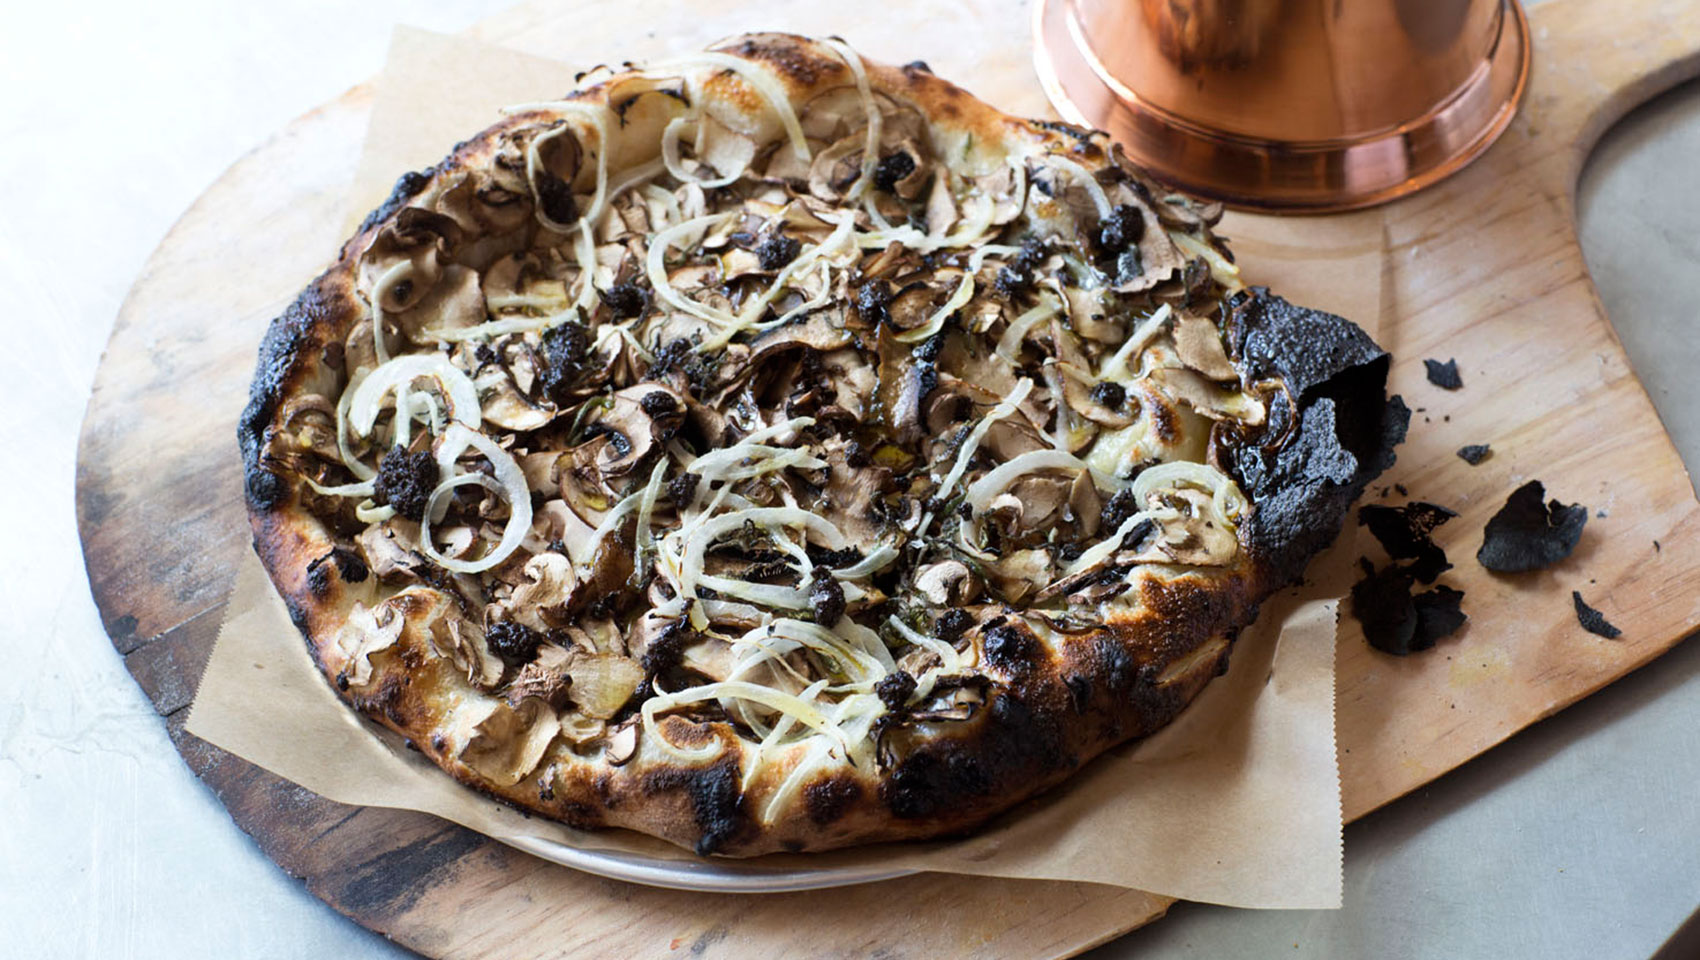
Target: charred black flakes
(1405,533)
(566,347)
(1396,622)
(407,186)
(1530,533)
(1346,431)
(1444,375)
(828,800)
(1592,620)
(952,624)
(946,775)
(347,563)
(1475,453)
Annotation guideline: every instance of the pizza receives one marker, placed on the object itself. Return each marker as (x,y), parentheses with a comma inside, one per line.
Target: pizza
(774,450)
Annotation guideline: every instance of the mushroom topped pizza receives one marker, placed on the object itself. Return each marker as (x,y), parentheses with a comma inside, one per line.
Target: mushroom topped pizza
(772,450)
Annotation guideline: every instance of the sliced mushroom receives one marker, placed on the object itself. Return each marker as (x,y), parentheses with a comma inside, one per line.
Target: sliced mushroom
(942,212)
(1003,186)
(1194,538)
(952,704)
(544,678)
(836,168)
(1020,573)
(711,657)
(814,332)
(1085,505)
(367,631)
(1043,499)
(602,683)
(541,601)
(948,583)
(1199,345)
(1157,258)
(507,743)
(506,406)
(851,494)
(640,417)
(1207,398)
(461,642)
(389,549)
(622,743)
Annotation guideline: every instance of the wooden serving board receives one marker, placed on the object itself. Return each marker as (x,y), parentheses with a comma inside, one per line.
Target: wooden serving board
(1485,267)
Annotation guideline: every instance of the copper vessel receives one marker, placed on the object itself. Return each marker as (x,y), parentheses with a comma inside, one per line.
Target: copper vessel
(1289,105)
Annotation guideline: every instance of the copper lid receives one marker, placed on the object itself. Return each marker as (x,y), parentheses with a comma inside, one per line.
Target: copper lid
(1289,105)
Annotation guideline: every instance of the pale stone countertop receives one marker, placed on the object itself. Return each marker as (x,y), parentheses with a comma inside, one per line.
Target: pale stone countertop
(1577,838)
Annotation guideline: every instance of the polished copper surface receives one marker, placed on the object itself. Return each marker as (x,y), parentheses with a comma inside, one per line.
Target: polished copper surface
(1295,105)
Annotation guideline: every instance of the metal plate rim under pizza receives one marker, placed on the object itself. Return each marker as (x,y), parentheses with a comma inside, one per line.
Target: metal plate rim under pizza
(772,450)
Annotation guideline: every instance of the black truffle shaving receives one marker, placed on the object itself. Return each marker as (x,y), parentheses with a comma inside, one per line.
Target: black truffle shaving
(556,198)
(952,624)
(565,349)
(827,598)
(626,299)
(1444,375)
(1404,532)
(515,643)
(1393,620)
(1592,620)
(1123,228)
(873,303)
(892,168)
(1109,394)
(1475,453)
(1529,533)
(895,689)
(405,481)
(778,250)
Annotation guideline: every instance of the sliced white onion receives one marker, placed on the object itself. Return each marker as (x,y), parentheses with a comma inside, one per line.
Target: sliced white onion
(877,559)
(1116,367)
(805,713)
(509,481)
(1007,406)
(646,506)
(1087,180)
(758,77)
(456,387)
(1223,272)
(597,114)
(656,267)
(675,164)
(1009,345)
(870,152)
(964,292)
(1096,553)
(343,402)
(981,491)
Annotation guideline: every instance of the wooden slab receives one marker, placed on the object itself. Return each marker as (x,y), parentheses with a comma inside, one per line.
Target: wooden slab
(1485,267)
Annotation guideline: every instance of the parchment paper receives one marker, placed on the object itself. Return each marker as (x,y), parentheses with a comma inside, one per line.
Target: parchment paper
(1237,802)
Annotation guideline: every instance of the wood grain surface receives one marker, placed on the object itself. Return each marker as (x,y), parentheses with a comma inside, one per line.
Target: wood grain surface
(1485,268)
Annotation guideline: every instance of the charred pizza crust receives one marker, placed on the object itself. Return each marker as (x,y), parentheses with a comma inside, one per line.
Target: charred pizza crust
(1034,697)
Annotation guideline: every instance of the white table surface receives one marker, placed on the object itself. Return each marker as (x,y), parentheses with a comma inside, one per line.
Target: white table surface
(1579,838)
